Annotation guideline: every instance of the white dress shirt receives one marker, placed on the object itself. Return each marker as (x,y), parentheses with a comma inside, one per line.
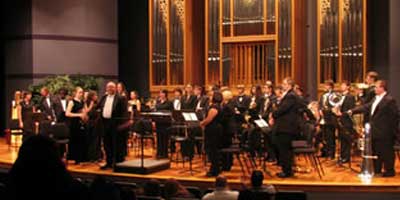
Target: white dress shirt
(108,106)
(64,104)
(177,104)
(378,99)
(48,101)
(221,195)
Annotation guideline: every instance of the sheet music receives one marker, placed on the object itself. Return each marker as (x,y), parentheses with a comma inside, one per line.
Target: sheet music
(261,123)
(189,116)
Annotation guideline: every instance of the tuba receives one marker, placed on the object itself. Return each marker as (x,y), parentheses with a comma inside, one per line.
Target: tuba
(335,100)
(365,145)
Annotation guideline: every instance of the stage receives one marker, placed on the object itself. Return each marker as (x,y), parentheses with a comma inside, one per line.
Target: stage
(336,178)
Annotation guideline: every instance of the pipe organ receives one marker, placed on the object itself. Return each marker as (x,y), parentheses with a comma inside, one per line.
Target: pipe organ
(252,41)
(248,42)
(341,40)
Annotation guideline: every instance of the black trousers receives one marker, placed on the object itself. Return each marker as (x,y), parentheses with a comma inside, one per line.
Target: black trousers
(330,140)
(285,151)
(269,145)
(386,156)
(345,137)
(113,142)
(162,139)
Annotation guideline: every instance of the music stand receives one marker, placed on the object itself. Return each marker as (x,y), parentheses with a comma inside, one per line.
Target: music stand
(263,125)
(141,165)
(191,120)
(37,118)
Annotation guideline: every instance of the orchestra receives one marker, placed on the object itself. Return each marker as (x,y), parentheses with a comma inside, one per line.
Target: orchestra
(226,116)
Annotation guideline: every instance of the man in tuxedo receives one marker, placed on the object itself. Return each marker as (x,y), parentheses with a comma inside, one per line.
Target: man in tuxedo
(177,101)
(384,119)
(242,104)
(189,99)
(368,93)
(346,130)
(61,105)
(266,108)
(329,121)
(201,102)
(113,111)
(285,124)
(47,104)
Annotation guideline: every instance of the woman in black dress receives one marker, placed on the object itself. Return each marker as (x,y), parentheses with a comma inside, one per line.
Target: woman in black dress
(25,115)
(78,118)
(163,105)
(229,127)
(212,133)
(93,128)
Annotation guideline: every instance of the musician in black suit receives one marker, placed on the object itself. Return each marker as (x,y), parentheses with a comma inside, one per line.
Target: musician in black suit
(113,111)
(61,105)
(329,121)
(47,104)
(177,101)
(201,103)
(368,94)
(285,124)
(163,105)
(242,103)
(266,109)
(384,119)
(346,130)
(189,99)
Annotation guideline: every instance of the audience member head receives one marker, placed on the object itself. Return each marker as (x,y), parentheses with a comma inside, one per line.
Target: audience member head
(380,87)
(371,77)
(257,178)
(102,189)
(111,88)
(38,170)
(221,182)
(152,188)
(173,188)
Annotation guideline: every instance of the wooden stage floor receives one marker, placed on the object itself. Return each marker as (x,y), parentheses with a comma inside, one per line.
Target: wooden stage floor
(336,178)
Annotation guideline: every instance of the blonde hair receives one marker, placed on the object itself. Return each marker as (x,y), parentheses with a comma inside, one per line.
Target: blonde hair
(227,95)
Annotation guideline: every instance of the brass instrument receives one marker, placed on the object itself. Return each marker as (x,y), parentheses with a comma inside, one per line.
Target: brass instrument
(253,103)
(365,145)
